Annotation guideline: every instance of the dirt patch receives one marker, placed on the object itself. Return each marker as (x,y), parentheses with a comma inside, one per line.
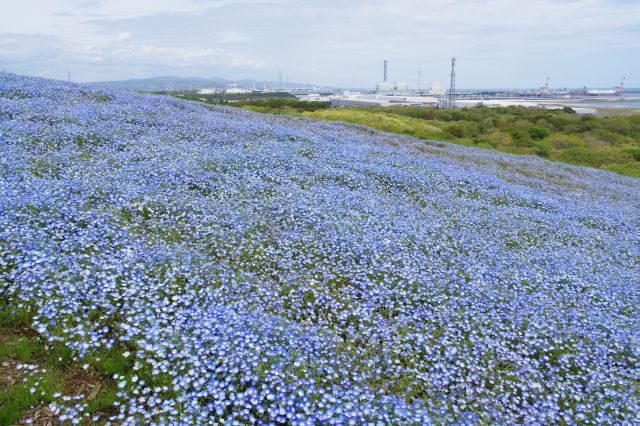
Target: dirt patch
(82,383)
(39,416)
(89,385)
(9,373)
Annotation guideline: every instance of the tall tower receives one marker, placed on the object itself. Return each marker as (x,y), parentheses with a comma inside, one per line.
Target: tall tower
(384,78)
(279,81)
(452,85)
(419,80)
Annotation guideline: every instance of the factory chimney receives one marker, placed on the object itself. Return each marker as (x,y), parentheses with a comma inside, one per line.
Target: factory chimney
(452,85)
(385,71)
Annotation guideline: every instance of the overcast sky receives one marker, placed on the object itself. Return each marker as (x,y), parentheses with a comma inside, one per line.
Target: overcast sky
(498,43)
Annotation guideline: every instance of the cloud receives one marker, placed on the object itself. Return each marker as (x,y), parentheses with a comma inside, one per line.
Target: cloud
(124,36)
(51,56)
(498,42)
(124,50)
(28,48)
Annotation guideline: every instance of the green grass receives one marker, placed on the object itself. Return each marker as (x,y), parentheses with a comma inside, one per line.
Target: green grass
(20,344)
(16,346)
(384,121)
(13,401)
(63,372)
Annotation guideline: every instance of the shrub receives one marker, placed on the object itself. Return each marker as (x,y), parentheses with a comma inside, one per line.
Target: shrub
(617,124)
(501,139)
(543,148)
(562,141)
(538,132)
(456,130)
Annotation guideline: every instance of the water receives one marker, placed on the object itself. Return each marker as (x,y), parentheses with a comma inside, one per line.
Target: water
(631,103)
(631,100)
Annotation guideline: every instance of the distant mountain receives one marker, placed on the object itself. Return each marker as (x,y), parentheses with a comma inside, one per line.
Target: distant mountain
(192,83)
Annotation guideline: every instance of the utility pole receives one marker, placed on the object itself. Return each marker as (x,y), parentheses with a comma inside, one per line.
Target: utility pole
(279,81)
(419,78)
(452,85)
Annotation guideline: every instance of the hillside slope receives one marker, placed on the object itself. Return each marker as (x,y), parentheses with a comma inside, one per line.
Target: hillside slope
(274,269)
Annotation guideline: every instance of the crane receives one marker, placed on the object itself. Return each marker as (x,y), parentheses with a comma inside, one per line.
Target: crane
(620,88)
(544,90)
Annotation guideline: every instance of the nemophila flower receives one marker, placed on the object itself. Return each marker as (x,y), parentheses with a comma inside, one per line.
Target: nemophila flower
(363,284)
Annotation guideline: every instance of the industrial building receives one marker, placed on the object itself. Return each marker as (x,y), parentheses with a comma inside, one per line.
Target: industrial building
(436,89)
(397,88)
(382,100)
(231,89)
(385,87)
(386,94)
(315,97)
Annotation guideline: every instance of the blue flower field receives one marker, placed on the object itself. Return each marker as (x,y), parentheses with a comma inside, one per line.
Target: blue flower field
(265,269)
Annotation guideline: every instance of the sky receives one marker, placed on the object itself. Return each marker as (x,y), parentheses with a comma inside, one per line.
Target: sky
(339,43)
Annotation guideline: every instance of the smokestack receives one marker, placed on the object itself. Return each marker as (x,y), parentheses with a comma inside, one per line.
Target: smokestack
(385,71)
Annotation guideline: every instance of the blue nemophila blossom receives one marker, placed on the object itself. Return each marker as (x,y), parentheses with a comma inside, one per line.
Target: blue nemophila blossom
(268,270)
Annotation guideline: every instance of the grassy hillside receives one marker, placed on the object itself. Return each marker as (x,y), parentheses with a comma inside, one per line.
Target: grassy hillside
(171,262)
(608,143)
